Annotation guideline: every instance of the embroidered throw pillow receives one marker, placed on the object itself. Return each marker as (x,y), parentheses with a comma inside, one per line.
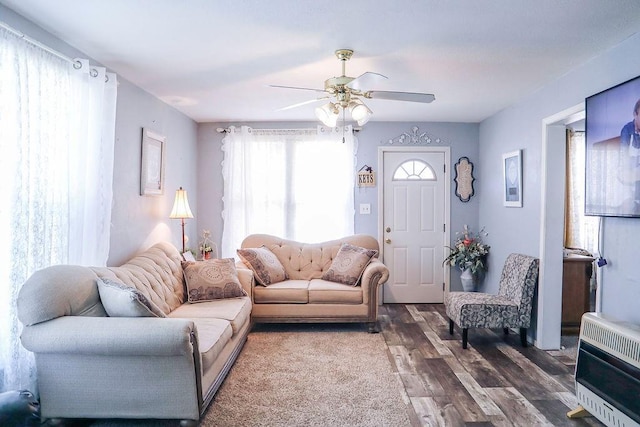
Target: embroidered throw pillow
(120,300)
(212,279)
(349,264)
(266,267)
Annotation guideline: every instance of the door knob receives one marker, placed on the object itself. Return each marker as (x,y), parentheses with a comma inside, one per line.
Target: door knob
(387,240)
(388,230)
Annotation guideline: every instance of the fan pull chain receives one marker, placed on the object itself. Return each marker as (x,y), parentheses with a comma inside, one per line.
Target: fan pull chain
(344,124)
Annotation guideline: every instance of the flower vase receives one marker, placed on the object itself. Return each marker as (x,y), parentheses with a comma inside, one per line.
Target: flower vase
(468,281)
(207,255)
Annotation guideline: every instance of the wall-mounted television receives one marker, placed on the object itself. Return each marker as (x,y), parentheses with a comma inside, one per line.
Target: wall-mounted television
(612,164)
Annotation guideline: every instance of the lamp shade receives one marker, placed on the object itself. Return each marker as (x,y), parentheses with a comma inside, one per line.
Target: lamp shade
(327,114)
(181,206)
(359,112)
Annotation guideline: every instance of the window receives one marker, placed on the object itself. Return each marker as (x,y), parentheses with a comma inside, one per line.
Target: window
(295,184)
(414,170)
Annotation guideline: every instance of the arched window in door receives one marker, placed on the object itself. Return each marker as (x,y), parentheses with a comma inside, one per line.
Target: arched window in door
(414,170)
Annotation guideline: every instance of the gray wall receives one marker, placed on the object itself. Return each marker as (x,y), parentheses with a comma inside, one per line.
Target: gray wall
(138,221)
(461,137)
(536,228)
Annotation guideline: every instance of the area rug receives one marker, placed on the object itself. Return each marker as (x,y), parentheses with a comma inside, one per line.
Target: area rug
(302,375)
(306,375)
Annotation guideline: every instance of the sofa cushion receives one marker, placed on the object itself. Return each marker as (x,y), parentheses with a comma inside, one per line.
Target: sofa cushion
(325,292)
(212,279)
(289,291)
(155,272)
(120,300)
(264,264)
(213,335)
(235,310)
(348,265)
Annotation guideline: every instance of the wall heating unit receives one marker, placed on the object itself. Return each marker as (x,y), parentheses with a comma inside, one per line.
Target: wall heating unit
(608,370)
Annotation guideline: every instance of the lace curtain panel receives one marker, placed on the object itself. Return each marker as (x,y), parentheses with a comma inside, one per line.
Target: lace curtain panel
(295,184)
(580,231)
(57,127)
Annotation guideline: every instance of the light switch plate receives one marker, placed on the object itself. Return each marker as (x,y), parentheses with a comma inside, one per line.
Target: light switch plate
(365,208)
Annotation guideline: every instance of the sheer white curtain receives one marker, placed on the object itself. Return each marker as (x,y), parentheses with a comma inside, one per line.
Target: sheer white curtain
(296,184)
(580,231)
(57,126)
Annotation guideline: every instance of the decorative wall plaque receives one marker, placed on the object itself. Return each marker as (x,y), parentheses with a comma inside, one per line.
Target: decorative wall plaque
(366,177)
(464,179)
(415,137)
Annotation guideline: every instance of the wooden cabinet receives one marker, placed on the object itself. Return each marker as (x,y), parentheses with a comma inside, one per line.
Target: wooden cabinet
(576,292)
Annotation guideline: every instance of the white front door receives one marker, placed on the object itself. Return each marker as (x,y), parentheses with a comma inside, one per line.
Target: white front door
(414,216)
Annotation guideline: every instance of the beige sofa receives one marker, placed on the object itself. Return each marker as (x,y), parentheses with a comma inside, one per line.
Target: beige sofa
(91,365)
(305,296)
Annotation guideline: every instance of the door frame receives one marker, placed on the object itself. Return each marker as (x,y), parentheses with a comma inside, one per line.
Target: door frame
(447,198)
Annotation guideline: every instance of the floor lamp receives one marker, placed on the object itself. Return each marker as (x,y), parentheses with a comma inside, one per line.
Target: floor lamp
(181,211)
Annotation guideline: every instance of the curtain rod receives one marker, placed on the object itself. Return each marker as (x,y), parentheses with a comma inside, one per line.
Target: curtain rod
(42,46)
(227,130)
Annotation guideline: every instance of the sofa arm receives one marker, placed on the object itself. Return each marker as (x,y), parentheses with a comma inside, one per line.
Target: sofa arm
(113,336)
(375,274)
(245,276)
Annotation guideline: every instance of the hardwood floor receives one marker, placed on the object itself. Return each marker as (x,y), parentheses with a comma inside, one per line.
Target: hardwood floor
(495,382)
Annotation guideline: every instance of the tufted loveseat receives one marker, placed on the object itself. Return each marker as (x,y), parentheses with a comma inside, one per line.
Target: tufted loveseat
(305,296)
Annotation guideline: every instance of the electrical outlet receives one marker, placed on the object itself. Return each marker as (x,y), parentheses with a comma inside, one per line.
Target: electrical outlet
(365,208)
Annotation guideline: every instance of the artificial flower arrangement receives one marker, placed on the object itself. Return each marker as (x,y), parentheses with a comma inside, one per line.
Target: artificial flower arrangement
(469,251)
(206,245)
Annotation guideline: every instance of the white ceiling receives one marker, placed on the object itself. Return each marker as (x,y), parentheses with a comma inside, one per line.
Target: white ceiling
(213,59)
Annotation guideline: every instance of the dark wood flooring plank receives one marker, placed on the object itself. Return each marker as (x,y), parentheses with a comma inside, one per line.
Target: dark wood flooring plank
(569,381)
(548,364)
(399,313)
(414,385)
(517,408)
(518,377)
(436,412)
(534,372)
(495,382)
(481,370)
(556,412)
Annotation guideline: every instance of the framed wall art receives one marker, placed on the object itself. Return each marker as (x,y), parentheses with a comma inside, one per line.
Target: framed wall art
(152,167)
(512,174)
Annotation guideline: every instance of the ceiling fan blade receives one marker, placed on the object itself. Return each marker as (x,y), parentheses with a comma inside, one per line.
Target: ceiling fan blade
(401,96)
(365,80)
(298,88)
(302,103)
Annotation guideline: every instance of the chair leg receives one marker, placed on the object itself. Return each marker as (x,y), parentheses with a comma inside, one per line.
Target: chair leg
(450,327)
(506,331)
(465,336)
(523,336)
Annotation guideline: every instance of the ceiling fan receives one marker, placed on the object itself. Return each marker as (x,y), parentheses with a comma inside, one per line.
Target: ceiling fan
(346,93)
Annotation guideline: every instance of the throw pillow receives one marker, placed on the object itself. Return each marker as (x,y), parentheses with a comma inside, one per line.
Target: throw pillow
(212,279)
(349,264)
(265,265)
(120,300)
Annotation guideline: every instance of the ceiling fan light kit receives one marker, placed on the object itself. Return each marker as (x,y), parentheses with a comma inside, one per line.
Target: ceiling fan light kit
(328,114)
(345,93)
(359,111)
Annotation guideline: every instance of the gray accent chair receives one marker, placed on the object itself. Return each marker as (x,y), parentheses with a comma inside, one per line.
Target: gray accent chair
(510,308)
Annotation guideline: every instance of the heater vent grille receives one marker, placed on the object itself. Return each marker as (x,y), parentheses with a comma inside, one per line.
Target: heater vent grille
(616,338)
